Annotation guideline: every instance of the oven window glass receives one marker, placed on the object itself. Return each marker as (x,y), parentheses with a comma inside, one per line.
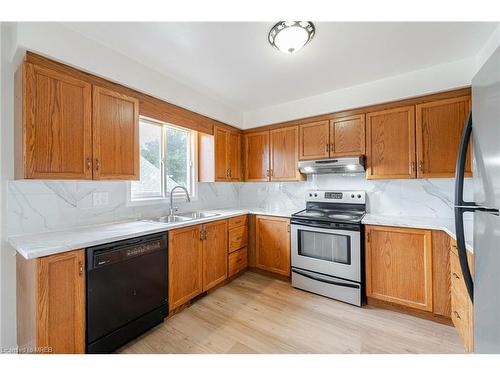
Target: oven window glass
(325,246)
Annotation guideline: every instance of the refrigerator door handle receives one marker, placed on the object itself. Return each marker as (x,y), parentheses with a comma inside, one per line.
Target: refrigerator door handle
(461,206)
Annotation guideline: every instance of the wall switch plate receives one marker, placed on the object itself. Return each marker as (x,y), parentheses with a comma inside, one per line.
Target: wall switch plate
(100,198)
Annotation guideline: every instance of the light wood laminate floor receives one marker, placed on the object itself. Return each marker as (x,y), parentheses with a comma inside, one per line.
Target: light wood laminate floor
(259,314)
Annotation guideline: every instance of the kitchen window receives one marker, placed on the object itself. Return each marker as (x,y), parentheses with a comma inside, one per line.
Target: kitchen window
(168,155)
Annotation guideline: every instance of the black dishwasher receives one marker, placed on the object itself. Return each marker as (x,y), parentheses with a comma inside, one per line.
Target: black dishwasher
(127,287)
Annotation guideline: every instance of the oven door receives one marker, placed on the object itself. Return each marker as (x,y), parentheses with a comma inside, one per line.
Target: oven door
(331,252)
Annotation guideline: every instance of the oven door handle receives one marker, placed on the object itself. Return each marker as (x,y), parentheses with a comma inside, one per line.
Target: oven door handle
(354,286)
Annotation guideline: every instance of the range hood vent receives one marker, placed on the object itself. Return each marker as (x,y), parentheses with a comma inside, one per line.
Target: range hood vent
(347,165)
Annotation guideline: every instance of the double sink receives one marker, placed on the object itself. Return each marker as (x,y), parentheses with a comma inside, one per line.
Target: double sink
(188,216)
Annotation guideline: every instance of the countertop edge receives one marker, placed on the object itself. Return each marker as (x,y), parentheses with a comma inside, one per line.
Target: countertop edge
(29,253)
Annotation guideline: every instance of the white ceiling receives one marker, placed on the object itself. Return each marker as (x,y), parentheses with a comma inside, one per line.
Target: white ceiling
(234,63)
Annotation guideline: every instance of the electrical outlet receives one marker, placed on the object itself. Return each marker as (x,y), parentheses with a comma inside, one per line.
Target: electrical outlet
(100,198)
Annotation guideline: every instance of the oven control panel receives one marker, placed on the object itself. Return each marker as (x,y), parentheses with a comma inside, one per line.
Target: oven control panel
(336,196)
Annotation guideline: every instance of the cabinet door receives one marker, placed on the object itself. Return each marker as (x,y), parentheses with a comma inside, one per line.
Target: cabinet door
(185,265)
(234,156)
(314,140)
(214,253)
(347,136)
(116,135)
(57,123)
(257,156)
(439,127)
(390,143)
(60,302)
(284,154)
(272,245)
(221,154)
(399,266)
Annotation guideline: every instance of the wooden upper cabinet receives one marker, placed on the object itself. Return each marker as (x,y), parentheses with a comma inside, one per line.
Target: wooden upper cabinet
(390,143)
(60,302)
(314,140)
(439,126)
(234,156)
(221,154)
(116,135)
(257,156)
(284,154)
(53,125)
(347,136)
(399,266)
(215,246)
(185,265)
(272,244)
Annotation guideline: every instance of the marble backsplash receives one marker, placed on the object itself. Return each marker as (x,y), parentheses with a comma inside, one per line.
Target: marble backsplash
(38,206)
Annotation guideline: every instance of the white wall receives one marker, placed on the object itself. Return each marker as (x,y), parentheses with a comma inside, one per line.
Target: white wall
(60,43)
(421,82)
(7,258)
(489,47)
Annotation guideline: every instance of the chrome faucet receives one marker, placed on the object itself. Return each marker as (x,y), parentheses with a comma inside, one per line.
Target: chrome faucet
(172,208)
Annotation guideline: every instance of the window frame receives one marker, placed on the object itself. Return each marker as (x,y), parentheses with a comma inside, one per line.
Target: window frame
(192,185)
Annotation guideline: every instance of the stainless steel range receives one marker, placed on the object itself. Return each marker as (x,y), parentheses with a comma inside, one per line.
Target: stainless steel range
(326,245)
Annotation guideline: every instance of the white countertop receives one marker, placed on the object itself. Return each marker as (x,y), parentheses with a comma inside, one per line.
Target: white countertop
(48,243)
(446,225)
(42,244)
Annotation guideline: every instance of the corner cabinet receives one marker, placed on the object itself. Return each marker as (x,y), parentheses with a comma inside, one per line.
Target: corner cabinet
(272,244)
(399,266)
(67,128)
(51,303)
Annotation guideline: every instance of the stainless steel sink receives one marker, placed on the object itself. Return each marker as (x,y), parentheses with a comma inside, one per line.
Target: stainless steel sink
(198,215)
(171,219)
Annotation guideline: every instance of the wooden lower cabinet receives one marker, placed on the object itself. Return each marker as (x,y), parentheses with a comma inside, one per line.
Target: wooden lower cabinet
(399,266)
(185,265)
(214,253)
(238,261)
(272,244)
(462,309)
(197,260)
(51,303)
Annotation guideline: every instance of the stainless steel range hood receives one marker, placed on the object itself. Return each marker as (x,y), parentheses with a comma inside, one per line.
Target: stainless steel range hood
(344,165)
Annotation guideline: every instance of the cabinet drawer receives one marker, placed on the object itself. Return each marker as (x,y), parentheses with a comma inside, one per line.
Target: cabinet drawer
(457,281)
(237,221)
(238,238)
(237,261)
(461,315)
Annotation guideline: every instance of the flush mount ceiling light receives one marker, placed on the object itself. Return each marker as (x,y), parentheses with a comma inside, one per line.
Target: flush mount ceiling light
(290,36)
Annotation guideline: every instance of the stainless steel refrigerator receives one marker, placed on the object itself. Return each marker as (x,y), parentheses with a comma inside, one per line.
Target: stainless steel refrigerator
(484,124)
